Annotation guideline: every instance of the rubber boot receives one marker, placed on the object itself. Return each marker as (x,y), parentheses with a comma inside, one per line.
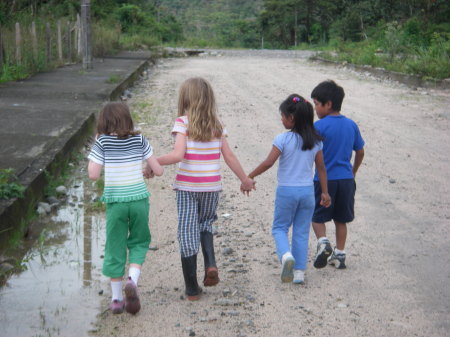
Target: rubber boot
(189,265)
(211,271)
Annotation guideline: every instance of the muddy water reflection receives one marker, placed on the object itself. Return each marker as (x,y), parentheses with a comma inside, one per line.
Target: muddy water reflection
(58,293)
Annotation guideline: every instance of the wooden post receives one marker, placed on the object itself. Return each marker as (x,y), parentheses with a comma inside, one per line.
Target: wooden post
(34,41)
(86,33)
(78,34)
(18,44)
(60,55)
(48,45)
(69,42)
(1,51)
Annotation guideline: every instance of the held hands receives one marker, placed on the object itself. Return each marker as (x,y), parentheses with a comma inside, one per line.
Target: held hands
(147,172)
(247,185)
(325,200)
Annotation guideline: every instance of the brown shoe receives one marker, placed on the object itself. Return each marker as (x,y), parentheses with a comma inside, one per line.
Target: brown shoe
(211,277)
(195,297)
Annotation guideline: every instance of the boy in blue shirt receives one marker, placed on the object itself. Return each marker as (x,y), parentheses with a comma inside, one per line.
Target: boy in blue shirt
(341,137)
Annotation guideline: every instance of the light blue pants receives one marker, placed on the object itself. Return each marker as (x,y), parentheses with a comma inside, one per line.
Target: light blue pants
(294,205)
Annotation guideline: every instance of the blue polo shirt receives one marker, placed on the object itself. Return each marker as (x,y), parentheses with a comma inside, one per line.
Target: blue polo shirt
(341,137)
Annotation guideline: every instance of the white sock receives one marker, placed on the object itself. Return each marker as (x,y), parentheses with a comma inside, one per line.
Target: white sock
(323,238)
(337,251)
(134,273)
(285,256)
(116,289)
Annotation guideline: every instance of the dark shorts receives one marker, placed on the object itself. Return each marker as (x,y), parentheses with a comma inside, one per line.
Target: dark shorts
(342,193)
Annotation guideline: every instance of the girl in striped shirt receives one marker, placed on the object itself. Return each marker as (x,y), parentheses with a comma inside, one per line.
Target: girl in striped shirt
(199,142)
(121,150)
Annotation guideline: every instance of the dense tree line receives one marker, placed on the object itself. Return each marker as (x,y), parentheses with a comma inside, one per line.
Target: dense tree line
(414,35)
(236,23)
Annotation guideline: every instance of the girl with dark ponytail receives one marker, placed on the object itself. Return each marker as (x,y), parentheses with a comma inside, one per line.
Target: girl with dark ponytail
(298,150)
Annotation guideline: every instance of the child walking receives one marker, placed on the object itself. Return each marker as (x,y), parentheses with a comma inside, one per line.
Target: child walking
(199,141)
(121,150)
(298,150)
(341,137)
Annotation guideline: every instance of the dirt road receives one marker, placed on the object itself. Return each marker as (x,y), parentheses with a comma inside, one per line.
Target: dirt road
(398,275)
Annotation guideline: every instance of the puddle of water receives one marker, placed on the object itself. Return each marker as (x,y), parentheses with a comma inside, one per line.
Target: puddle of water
(58,293)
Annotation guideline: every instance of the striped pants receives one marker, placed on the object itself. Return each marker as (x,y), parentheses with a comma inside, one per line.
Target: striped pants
(196,213)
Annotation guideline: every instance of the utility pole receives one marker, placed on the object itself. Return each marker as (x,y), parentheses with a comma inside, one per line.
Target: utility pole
(86,43)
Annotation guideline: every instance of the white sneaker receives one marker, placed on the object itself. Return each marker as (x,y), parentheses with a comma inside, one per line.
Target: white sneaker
(287,267)
(299,276)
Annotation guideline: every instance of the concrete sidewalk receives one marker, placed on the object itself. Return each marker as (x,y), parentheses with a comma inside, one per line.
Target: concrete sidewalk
(44,118)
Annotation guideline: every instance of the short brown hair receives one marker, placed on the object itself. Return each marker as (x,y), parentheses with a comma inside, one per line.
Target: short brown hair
(115,118)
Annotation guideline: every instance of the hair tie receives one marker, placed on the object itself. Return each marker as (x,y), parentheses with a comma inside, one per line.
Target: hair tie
(296,99)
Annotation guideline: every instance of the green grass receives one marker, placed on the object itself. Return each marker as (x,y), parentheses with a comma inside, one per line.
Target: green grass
(9,187)
(113,79)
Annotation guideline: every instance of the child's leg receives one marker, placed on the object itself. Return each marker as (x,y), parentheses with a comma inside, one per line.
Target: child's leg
(189,240)
(116,289)
(208,202)
(188,233)
(138,241)
(320,217)
(344,210)
(207,210)
(285,206)
(341,234)
(116,252)
(319,229)
(139,236)
(116,241)
(301,227)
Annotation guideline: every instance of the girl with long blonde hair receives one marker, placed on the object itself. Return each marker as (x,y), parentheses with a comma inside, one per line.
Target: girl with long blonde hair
(199,142)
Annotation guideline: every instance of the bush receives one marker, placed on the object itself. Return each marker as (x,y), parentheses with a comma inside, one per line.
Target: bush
(9,188)
(106,39)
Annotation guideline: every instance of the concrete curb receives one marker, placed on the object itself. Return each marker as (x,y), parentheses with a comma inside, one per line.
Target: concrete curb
(14,213)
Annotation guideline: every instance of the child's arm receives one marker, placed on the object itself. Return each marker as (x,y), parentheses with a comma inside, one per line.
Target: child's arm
(267,163)
(325,199)
(94,170)
(154,166)
(235,166)
(359,155)
(177,154)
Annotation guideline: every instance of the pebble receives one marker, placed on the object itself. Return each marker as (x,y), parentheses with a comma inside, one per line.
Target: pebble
(225,302)
(47,208)
(392,181)
(41,211)
(226,292)
(227,251)
(6,267)
(61,190)
(52,200)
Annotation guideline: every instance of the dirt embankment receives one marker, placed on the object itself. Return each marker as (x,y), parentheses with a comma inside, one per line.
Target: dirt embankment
(397,281)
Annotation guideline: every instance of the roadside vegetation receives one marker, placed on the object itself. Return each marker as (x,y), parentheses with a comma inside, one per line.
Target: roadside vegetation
(409,36)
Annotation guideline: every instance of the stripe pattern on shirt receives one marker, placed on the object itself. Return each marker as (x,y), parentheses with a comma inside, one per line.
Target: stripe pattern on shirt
(122,159)
(199,171)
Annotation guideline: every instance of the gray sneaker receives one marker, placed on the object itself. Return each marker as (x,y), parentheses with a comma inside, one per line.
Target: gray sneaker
(337,260)
(324,250)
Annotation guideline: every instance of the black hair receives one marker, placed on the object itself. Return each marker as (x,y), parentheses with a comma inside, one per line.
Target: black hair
(303,113)
(329,91)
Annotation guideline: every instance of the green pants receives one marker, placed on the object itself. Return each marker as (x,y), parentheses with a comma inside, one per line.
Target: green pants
(126,228)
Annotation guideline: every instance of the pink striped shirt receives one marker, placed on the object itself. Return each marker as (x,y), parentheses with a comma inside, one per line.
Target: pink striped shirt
(199,171)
